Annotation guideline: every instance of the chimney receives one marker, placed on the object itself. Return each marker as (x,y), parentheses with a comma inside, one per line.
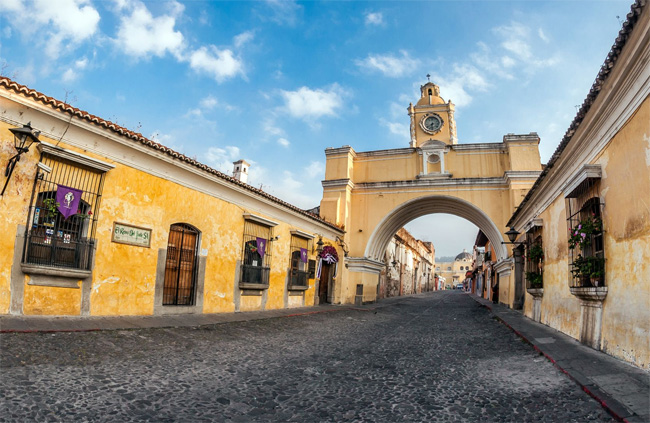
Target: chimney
(240,171)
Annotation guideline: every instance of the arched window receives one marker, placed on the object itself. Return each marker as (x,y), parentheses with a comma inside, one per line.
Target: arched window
(181,265)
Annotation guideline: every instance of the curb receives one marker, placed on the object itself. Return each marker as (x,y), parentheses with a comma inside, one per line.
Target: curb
(586,389)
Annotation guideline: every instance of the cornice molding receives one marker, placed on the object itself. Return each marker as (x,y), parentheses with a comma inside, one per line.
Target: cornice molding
(302,234)
(479,146)
(60,152)
(346,149)
(261,220)
(364,265)
(338,183)
(585,173)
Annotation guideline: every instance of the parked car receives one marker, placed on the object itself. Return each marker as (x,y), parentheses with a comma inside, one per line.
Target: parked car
(459,286)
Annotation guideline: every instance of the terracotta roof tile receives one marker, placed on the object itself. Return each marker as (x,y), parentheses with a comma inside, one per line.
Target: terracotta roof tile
(135,136)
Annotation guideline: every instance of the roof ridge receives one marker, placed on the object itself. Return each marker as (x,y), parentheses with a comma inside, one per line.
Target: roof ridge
(136,136)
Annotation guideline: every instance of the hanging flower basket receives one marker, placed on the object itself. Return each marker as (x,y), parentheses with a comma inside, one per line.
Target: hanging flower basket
(329,255)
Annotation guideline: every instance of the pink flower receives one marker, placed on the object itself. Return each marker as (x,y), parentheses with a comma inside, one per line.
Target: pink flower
(583,235)
(580,226)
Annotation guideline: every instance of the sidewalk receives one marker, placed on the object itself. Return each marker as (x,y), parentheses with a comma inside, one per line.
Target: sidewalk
(622,389)
(10,323)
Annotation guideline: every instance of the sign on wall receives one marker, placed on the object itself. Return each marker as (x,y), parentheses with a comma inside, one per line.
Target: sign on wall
(131,235)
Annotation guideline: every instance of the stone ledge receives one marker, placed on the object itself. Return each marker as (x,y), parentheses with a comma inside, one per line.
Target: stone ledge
(247,285)
(536,292)
(591,293)
(298,288)
(57,272)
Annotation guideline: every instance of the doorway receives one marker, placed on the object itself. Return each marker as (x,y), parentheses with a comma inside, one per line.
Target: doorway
(180,266)
(325,281)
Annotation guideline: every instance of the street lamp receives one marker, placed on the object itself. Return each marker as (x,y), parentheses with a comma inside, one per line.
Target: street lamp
(23,139)
(512,235)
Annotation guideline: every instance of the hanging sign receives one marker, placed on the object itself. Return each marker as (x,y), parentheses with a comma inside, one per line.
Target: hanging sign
(303,255)
(68,199)
(131,235)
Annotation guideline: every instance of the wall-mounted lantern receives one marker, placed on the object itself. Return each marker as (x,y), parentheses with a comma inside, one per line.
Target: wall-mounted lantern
(23,139)
(343,246)
(512,235)
(319,245)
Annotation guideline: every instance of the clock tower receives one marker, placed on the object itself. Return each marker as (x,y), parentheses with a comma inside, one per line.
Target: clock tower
(431,118)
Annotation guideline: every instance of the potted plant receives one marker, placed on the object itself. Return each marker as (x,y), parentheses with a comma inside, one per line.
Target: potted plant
(583,233)
(536,280)
(536,253)
(589,269)
(50,208)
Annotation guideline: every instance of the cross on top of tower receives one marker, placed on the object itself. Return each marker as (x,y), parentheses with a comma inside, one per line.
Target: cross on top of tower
(428,77)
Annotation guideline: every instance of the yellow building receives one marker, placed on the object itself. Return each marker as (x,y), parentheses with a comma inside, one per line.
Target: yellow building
(373,194)
(586,221)
(454,272)
(409,264)
(99,220)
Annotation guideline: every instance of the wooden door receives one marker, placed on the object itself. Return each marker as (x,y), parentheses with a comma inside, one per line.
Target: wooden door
(325,276)
(180,268)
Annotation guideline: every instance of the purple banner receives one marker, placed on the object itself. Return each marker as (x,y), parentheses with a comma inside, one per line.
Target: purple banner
(303,255)
(68,199)
(261,246)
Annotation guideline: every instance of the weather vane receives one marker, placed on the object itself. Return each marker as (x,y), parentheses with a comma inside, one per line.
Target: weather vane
(428,77)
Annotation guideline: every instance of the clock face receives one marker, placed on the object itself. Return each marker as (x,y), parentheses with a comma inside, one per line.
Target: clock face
(431,123)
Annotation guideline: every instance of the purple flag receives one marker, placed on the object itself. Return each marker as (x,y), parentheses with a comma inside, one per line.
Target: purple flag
(303,255)
(68,199)
(261,246)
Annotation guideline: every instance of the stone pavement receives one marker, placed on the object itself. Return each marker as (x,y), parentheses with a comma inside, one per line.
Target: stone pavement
(622,389)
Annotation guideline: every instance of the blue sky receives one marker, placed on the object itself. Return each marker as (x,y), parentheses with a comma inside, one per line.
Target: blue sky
(276,82)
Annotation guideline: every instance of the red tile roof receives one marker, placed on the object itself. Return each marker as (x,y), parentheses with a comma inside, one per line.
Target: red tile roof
(11,85)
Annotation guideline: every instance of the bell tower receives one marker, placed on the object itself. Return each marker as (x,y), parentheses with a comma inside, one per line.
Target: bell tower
(431,118)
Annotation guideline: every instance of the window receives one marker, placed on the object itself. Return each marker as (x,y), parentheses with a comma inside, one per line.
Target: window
(62,216)
(256,252)
(534,259)
(299,259)
(585,226)
(448,268)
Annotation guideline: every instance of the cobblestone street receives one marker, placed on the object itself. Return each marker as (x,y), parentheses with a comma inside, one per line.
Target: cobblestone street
(433,357)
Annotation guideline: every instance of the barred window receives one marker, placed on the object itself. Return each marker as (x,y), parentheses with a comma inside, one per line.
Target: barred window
(299,272)
(62,216)
(256,253)
(585,234)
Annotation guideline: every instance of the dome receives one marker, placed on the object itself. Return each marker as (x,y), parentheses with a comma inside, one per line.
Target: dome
(463,256)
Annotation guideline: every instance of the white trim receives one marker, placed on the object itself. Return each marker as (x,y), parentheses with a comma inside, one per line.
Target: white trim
(261,220)
(586,172)
(302,234)
(63,153)
(534,223)
(364,265)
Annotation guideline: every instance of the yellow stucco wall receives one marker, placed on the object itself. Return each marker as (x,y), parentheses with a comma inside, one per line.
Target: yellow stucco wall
(625,190)
(124,276)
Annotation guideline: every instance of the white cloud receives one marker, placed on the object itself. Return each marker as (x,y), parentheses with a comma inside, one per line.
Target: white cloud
(269,127)
(222,158)
(282,12)
(315,169)
(208,102)
(72,73)
(219,64)
(374,18)
(307,103)
(542,35)
(390,65)
(460,82)
(397,128)
(284,142)
(69,75)
(243,38)
(140,34)
(62,24)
